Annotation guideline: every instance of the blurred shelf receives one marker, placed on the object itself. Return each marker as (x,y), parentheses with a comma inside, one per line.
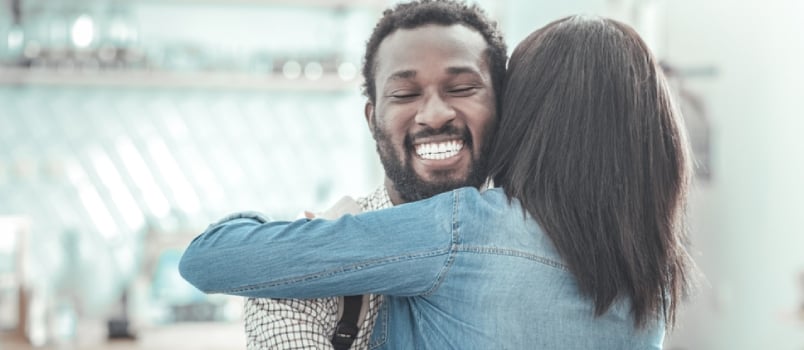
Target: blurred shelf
(335,4)
(150,79)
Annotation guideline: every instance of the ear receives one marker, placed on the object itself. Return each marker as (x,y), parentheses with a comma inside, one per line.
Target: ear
(368,110)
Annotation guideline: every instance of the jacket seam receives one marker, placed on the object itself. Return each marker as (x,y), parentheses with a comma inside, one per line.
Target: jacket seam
(334,272)
(516,253)
(382,318)
(455,232)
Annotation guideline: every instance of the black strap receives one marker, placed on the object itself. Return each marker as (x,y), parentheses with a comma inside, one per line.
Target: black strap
(346,330)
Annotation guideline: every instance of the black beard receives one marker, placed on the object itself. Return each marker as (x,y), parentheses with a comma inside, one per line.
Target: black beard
(408,184)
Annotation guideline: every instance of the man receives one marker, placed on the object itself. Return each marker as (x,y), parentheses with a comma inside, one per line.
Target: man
(432,70)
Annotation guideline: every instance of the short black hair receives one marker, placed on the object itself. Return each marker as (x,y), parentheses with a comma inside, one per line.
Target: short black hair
(415,14)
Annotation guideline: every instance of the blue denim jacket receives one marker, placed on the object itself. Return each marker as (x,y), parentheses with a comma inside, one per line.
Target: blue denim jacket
(461,270)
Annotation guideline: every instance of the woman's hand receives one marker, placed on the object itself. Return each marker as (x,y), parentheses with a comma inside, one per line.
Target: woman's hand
(346,205)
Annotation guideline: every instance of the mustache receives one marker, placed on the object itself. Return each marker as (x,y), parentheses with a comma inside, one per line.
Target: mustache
(448,129)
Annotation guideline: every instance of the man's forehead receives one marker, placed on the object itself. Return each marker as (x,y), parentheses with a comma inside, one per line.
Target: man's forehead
(405,74)
(453,49)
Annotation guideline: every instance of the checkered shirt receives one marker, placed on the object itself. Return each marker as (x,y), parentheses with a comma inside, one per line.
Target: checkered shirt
(307,323)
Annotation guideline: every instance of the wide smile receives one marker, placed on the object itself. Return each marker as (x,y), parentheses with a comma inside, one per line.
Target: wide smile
(439,150)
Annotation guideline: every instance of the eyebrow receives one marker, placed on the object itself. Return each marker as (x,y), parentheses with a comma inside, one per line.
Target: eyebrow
(462,70)
(402,75)
(409,74)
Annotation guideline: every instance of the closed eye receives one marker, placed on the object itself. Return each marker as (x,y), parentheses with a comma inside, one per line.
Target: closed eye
(464,90)
(403,95)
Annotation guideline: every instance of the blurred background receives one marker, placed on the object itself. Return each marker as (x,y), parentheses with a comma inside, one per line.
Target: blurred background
(128,126)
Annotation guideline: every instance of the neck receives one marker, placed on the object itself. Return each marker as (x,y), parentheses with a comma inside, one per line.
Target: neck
(396,199)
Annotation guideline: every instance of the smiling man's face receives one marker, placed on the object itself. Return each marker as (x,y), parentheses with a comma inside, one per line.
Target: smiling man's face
(434,112)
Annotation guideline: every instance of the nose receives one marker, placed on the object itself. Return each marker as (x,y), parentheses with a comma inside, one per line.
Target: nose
(435,112)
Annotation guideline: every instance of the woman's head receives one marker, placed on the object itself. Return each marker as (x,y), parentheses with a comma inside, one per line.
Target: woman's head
(590,143)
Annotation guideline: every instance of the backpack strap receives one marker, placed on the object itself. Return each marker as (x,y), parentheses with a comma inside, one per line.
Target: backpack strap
(346,330)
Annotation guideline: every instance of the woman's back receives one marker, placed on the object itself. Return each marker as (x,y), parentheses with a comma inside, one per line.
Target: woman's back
(503,286)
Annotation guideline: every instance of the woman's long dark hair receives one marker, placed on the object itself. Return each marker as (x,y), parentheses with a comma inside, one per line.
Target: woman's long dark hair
(590,143)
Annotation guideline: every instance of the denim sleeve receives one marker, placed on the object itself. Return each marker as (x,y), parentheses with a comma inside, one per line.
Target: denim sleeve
(405,251)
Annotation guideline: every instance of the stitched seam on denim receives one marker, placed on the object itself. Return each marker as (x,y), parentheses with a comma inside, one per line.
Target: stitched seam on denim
(383,338)
(452,248)
(514,252)
(330,273)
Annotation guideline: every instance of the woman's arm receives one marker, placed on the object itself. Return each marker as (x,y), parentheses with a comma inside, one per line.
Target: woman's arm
(399,251)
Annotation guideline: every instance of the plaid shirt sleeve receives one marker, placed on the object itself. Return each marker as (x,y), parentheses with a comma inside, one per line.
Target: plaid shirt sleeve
(307,323)
(290,323)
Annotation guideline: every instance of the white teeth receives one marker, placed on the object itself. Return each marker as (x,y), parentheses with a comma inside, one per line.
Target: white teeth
(439,150)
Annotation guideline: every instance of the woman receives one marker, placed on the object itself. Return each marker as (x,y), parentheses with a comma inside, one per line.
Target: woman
(581,245)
